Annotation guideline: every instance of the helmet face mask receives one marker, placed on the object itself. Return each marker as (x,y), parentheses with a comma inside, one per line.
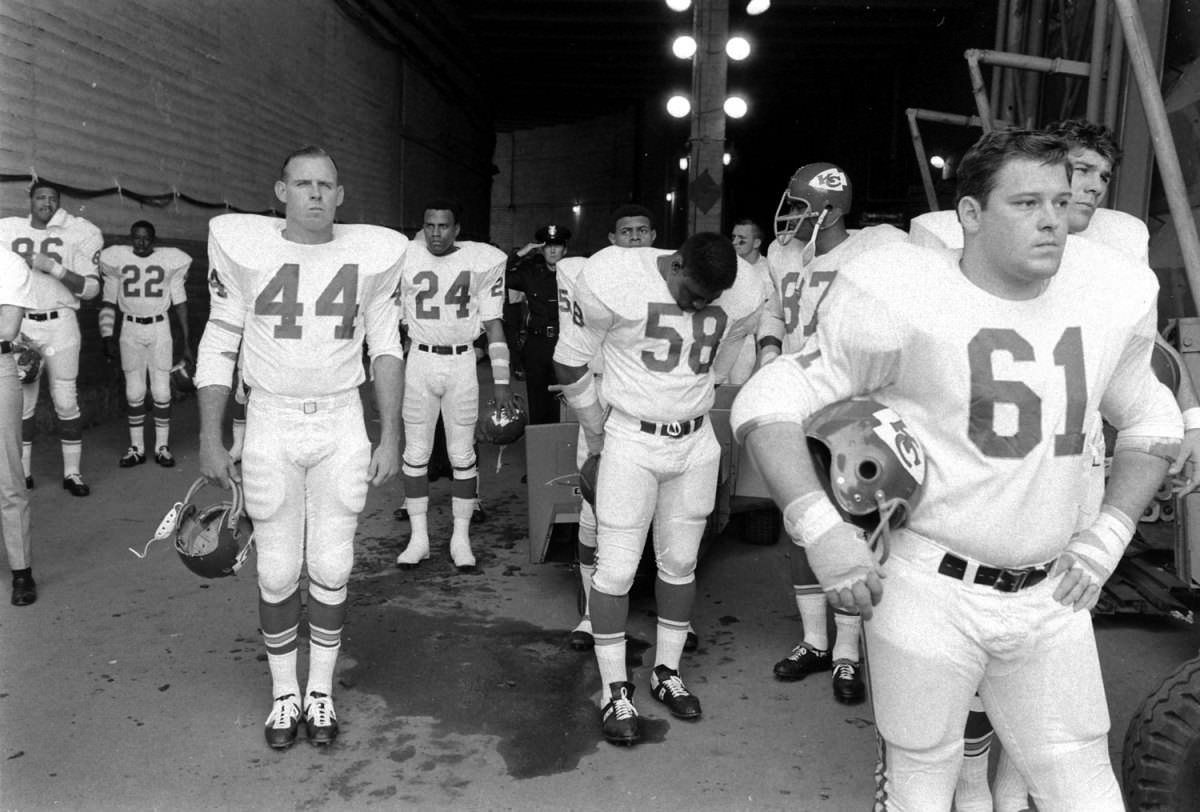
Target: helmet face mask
(870,464)
(817,190)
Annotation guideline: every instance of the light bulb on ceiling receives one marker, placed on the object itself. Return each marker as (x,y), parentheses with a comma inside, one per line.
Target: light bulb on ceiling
(735,107)
(754,6)
(683,163)
(937,162)
(576,209)
(679,106)
(679,5)
(683,47)
(726,159)
(738,48)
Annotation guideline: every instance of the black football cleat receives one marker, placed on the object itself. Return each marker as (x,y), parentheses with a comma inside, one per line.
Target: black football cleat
(75,484)
(283,723)
(132,457)
(848,687)
(581,636)
(619,718)
(320,718)
(692,642)
(667,687)
(803,660)
(164,457)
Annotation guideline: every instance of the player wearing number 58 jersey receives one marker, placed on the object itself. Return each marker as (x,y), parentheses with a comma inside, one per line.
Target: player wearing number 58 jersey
(998,361)
(299,297)
(63,251)
(659,320)
(144,282)
(451,291)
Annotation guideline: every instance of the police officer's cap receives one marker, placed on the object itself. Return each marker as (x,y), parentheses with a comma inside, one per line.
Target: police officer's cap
(553,234)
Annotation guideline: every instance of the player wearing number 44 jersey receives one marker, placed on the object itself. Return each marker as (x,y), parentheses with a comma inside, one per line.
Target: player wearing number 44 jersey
(299,296)
(997,361)
(450,292)
(63,251)
(144,282)
(661,321)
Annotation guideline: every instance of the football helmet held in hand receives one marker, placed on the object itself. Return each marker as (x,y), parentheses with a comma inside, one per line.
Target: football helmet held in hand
(212,541)
(183,376)
(502,426)
(29,360)
(817,190)
(872,467)
(589,476)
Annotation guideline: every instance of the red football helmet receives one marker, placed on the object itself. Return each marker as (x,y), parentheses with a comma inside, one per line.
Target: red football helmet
(29,360)
(872,467)
(212,541)
(819,190)
(502,426)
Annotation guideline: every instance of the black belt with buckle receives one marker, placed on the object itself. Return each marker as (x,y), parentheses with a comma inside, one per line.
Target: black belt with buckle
(676,429)
(53,314)
(5,347)
(144,319)
(998,578)
(436,349)
(549,331)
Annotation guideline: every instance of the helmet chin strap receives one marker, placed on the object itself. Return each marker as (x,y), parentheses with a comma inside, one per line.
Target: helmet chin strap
(880,540)
(810,250)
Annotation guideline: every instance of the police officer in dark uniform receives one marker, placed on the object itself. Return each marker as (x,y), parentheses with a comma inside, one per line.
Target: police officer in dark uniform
(531,270)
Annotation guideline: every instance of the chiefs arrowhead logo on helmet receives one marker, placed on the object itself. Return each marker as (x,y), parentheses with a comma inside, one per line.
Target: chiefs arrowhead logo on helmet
(212,541)
(502,426)
(818,190)
(183,376)
(871,466)
(29,360)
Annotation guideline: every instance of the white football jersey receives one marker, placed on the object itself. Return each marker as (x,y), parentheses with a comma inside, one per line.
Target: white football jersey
(800,288)
(72,241)
(743,365)
(16,286)
(304,310)
(144,286)
(1000,393)
(570,317)
(658,358)
(446,300)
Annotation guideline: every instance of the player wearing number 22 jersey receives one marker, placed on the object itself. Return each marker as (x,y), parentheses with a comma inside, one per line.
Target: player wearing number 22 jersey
(659,320)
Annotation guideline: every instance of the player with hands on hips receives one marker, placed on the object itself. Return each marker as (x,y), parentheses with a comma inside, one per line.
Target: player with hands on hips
(450,293)
(659,320)
(63,250)
(299,297)
(997,360)
(145,282)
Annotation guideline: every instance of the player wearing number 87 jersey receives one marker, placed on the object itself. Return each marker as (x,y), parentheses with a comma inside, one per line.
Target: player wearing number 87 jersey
(997,361)
(299,297)
(144,282)
(450,292)
(660,320)
(63,251)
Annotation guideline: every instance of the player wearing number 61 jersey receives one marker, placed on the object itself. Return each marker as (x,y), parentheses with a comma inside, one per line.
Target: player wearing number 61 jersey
(997,362)
(143,282)
(63,251)
(659,320)
(450,292)
(299,297)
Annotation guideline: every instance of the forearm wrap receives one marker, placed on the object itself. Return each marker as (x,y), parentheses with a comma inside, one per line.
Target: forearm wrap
(107,320)
(498,351)
(810,517)
(1166,448)
(583,397)
(1103,544)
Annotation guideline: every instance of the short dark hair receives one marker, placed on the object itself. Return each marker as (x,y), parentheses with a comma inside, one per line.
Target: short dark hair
(1079,132)
(38,183)
(710,259)
(308,151)
(983,161)
(444,204)
(146,224)
(630,210)
(755,228)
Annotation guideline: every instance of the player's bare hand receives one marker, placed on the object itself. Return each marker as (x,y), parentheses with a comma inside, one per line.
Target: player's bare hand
(216,465)
(1183,469)
(44,263)
(859,596)
(1080,585)
(504,396)
(385,463)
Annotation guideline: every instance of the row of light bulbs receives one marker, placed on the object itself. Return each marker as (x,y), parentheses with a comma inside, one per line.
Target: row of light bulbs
(737,49)
(753,7)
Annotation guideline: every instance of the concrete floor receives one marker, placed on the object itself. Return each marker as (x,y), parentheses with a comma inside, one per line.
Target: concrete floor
(134,685)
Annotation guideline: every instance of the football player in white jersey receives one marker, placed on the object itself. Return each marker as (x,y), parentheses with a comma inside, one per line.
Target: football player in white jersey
(451,292)
(16,293)
(63,250)
(747,239)
(145,282)
(997,362)
(812,241)
(659,319)
(299,296)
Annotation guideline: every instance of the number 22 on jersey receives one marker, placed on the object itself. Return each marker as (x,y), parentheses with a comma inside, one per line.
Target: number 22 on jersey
(339,299)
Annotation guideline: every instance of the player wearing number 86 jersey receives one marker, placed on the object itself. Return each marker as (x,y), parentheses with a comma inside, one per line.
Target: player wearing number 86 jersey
(144,282)
(660,320)
(299,297)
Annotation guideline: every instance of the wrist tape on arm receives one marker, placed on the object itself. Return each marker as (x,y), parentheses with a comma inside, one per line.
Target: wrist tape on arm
(1191,418)
(498,351)
(1103,544)
(583,397)
(809,517)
